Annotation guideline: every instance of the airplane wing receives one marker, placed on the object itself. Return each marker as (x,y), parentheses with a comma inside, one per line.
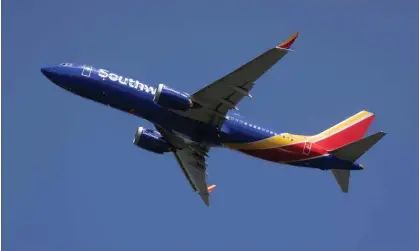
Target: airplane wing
(191,159)
(224,94)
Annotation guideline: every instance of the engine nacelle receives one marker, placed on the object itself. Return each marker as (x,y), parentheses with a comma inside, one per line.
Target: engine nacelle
(172,99)
(150,140)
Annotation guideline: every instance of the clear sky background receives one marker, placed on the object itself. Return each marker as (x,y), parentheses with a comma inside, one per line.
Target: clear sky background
(73,180)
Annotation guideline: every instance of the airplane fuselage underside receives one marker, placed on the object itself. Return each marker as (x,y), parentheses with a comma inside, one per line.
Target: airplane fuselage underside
(236,133)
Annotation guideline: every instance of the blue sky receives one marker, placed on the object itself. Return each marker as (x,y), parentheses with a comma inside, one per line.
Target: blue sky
(73,180)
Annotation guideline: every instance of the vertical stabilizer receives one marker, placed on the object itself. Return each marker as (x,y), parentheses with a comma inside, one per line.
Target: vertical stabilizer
(347,131)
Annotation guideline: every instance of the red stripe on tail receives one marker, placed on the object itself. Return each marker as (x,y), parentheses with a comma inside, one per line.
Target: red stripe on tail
(348,131)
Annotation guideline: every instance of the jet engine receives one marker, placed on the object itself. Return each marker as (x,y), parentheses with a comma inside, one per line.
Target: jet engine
(172,99)
(150,140)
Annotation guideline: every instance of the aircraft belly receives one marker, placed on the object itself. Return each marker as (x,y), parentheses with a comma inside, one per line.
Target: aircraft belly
(281,153)
(143,106)
(287,153)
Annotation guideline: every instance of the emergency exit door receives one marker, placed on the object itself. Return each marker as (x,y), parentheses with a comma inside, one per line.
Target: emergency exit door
(87,70)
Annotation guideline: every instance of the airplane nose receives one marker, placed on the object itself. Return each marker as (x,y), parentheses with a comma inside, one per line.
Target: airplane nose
(47,71)
(54,75)
(57,76)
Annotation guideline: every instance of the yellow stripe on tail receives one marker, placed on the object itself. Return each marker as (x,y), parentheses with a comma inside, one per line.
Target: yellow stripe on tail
(347,131)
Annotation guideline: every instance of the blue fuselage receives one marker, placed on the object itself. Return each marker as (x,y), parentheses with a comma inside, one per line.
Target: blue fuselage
(132,96)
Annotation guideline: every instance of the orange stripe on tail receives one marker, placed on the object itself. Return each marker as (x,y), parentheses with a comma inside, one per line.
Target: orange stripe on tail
(347,131)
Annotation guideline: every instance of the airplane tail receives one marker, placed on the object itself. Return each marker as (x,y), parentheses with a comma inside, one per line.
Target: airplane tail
(351,152)
(347,131)
(345,142)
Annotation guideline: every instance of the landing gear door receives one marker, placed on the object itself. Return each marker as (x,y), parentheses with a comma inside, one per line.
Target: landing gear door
(87,70)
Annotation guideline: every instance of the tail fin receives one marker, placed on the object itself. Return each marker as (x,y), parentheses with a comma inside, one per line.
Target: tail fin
(352,152)
(347,131)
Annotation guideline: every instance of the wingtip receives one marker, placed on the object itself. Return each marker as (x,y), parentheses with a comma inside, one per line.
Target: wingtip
(287,43)
(205,196)
(211,188)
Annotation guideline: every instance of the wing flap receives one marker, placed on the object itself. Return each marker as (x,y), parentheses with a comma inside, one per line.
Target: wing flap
(185,173)
(194,171)
(191,158)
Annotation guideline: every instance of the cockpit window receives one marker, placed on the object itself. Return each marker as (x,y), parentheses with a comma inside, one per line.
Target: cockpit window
(66,64)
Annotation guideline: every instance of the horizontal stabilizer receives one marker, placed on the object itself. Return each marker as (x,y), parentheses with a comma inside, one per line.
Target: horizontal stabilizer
(355,150)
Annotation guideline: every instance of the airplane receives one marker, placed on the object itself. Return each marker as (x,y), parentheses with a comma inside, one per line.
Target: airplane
(189,125)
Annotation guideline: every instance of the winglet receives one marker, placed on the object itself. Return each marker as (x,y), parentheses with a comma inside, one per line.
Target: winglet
(287,44)
(211,188)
